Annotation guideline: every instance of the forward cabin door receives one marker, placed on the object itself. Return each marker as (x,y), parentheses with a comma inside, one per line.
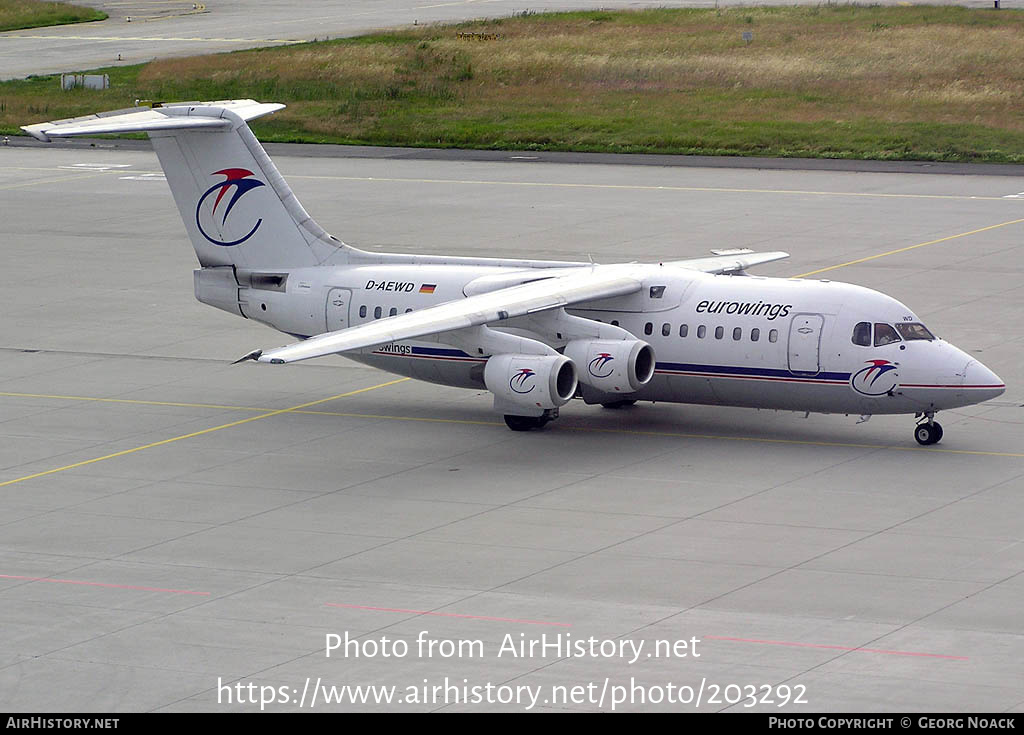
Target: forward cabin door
(805,343)
(336,311)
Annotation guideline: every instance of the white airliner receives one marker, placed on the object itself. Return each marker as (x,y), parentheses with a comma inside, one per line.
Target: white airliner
(536,334)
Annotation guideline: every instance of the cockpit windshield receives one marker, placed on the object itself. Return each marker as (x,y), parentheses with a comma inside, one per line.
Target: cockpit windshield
(913,330)
(885,335)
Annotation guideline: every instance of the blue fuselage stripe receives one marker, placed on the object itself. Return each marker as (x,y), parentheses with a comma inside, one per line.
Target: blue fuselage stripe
(732,370)
(673,367)
(439,352)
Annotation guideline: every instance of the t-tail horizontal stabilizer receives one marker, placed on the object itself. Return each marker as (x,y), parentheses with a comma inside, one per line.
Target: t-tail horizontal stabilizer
(235,205)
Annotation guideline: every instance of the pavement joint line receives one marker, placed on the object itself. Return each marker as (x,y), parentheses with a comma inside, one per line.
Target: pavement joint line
(909,247)
(473,422)
(445,614)
(92,399)
(201,432)
(804,442)
(108,585)
(84,174)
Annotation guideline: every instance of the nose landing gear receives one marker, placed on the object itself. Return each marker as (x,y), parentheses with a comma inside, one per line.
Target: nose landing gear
(929,431)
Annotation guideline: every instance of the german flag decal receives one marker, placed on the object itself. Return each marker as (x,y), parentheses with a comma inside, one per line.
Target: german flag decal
(428,288)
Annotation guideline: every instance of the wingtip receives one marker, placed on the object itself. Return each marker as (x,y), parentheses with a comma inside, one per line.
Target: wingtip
(254,355)
(37,132)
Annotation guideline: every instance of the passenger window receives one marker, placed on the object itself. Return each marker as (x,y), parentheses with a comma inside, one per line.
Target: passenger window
(648,328)
(683,330)
(773,336)
(376,312)
(393,311)
(737,334)
(755,334)
(913,330)
(408,310)
(666,329)
(701,331)
(885,335)
(862,334)
(362,312)
(719,332)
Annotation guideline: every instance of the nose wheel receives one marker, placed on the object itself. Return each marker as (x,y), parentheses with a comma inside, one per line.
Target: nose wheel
(928,431)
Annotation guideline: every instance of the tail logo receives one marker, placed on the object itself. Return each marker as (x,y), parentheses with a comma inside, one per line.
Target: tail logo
(879,378)
(236,179)
(522,381)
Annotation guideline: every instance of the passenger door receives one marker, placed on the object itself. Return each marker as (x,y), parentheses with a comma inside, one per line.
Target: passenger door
(336,310)
(805,343)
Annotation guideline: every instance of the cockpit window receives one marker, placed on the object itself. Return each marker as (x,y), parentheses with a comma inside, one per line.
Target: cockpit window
(885,335)
(862,334)
(913,330)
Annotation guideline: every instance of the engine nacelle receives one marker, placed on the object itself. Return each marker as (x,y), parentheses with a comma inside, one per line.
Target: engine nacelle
(528,385)
(612,366)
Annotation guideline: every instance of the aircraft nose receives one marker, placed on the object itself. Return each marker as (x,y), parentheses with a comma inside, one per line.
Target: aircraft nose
(982,381)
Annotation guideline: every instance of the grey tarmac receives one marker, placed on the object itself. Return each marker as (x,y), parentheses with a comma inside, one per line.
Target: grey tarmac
(169,520)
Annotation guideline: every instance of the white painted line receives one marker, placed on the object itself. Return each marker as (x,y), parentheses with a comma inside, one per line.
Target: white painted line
(95,166)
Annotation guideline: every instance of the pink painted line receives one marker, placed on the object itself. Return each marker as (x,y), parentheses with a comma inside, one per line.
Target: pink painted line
(103,584)
(836,648)
(448,615)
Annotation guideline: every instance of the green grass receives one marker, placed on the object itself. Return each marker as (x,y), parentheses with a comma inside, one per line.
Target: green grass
(18,14)
(834,81)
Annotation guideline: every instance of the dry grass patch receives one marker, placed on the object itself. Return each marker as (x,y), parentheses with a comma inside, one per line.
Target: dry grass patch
(833,80)
(18,14)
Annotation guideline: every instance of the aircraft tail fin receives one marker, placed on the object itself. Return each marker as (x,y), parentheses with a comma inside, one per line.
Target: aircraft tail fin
(237,208)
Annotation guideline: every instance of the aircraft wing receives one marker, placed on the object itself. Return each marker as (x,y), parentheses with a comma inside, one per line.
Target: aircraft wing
(588,284)
(729,261)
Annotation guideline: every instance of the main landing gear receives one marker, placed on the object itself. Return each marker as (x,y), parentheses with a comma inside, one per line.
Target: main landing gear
(529,423)
(619,404)
(929,431)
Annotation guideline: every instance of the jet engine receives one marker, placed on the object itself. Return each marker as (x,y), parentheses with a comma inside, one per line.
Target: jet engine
(529,385)
(612,366)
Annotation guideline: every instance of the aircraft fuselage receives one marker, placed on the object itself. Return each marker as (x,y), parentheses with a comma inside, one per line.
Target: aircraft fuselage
(726,340)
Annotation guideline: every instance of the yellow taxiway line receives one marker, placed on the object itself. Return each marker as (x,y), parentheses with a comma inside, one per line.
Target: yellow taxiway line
(909,247)
(212,429)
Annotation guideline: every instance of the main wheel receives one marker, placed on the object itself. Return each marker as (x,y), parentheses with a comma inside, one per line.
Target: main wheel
(928,433)
(618,404)
(524,423)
